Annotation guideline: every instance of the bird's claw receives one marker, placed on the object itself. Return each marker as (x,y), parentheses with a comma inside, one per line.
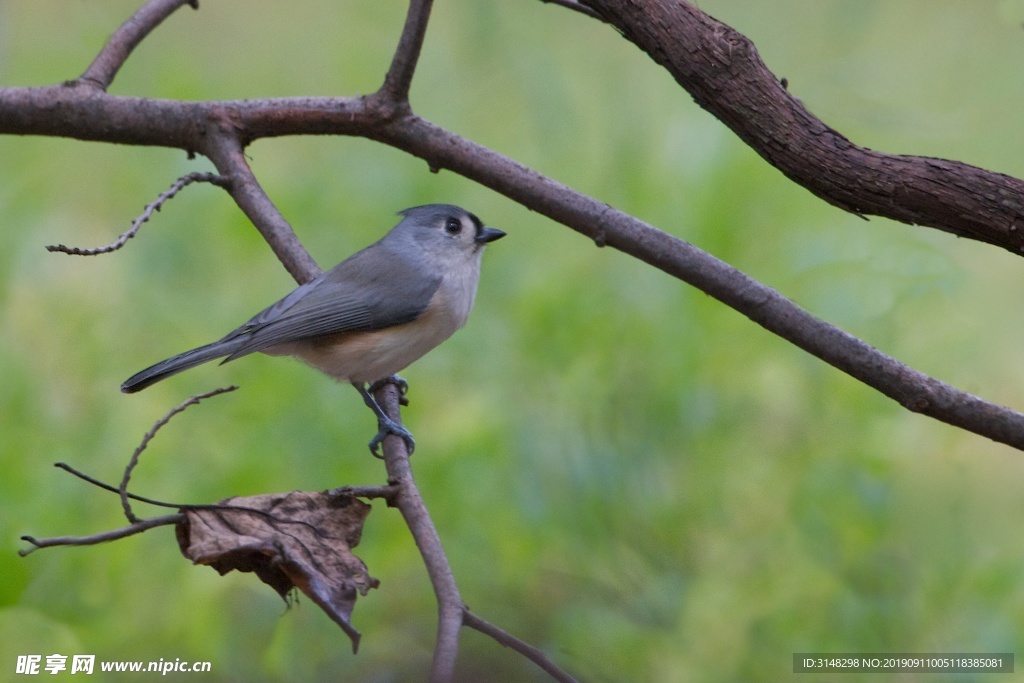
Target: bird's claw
(400,384)
(385,424)
(387,427)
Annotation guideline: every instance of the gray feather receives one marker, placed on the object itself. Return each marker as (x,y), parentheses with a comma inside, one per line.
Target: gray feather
(370,290)
(376,288)
(176,364)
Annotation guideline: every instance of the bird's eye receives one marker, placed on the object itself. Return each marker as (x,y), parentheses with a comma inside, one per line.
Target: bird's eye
(452,226)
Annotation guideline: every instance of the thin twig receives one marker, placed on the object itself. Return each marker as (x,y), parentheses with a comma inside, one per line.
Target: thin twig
(424,533)
(113,489)
(226,152)
(576,7)
(179,184)
(388,493)
(403,64)
(112,57)
(367,491)
(191,401)
(134,528)
(510,641)
(167,504)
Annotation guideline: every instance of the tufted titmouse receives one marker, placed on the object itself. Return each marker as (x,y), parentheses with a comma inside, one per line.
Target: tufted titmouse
(372,314)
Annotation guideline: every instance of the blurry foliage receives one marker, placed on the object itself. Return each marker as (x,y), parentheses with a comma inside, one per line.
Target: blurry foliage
(624,472)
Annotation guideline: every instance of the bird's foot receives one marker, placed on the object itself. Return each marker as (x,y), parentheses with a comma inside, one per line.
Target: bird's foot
(385,425)
(400,384)
(388,426)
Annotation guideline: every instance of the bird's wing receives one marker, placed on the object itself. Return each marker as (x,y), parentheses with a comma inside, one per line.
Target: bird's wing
(361,294)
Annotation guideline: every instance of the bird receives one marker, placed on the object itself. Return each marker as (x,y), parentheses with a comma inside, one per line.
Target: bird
(368,317)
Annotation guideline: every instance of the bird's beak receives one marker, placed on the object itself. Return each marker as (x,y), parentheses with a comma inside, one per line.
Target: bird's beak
(489,235)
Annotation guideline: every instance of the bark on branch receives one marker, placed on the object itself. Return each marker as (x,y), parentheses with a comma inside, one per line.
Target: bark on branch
(115,53)
(414,511)
(721,69)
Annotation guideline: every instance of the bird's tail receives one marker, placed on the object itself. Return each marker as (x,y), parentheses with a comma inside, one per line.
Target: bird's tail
(183,361)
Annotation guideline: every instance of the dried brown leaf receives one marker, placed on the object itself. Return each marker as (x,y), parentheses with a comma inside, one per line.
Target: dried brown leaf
(290,540)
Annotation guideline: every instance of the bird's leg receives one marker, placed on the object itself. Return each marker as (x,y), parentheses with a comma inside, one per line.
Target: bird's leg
(385,424)
(400,384)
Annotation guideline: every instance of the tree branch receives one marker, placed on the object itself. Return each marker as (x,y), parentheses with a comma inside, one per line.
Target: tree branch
(82,114)
(388,493)
(723,72)
(576,7)
(717,65)
(114,534)
(112,57)
(762,304)
(113,489)
(508,640)
(403,64)
(410,504)
(225,151)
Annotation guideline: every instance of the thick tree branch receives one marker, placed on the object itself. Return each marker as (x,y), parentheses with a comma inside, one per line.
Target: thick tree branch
(80,113)
(75,111)
(112,57)
(721,69)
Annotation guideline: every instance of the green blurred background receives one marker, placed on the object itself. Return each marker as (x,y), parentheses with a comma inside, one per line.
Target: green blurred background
(625,472)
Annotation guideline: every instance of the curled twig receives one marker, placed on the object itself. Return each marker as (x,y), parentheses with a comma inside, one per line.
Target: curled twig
(123,488)
(174,189)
